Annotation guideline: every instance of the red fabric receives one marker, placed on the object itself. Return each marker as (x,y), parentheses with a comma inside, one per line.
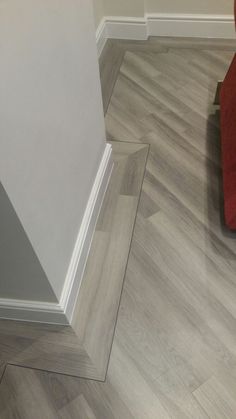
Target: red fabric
(228,136)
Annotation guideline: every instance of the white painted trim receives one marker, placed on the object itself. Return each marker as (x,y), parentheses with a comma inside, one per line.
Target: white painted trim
(85,235)
(184,25)
(61,313)
(33,311)
(194,25)
(121,27)
(101,36)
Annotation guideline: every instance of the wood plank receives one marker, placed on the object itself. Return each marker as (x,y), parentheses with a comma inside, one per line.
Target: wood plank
(217,402)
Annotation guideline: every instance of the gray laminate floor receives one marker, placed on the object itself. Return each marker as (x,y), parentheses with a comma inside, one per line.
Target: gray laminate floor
(174,350)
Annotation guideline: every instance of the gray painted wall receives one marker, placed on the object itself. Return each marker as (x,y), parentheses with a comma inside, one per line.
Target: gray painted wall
(18,261)
(212,7)
(98,6)
(124,7)
(52,133)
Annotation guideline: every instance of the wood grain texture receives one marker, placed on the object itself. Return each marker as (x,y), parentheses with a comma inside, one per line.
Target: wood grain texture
(178,305)
(217,400)
(110,62)
(173,354)
(27,394)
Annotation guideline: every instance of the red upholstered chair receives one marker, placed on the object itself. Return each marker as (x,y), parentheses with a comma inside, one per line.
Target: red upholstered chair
(228,138)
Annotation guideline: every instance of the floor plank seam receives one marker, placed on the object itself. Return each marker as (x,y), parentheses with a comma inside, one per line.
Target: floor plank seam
(62,374)
(128,259)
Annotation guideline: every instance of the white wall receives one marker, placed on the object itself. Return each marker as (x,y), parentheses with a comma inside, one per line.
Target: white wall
(124,7)
(51,121)
(134,8)
(214,7)
(99,11)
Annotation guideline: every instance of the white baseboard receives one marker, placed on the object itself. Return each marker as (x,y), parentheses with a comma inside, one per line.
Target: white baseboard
(61,313)
(85,235)
(32,311)
(126,28)
(199,26)
(176,25)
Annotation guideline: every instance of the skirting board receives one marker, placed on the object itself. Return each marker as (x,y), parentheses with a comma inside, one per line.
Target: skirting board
(176,25)
(32,311)
(84,239)
(61,313)
(198,26)
(126,28)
